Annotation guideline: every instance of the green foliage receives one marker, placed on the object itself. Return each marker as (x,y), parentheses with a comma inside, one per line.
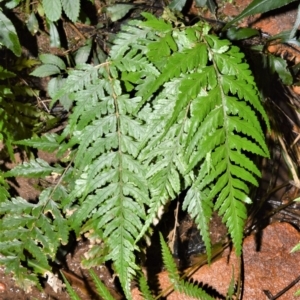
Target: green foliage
(192,290)
(189,289)
(118,11)
(179,4)
(278,65)
(33,169)
(53,9)
(53,65)
(71,292)
(101,288)
(258,7)
(231,288)
(144,128)
(173,109)
(9,37)
(17,119)
(144,288)
(31,231)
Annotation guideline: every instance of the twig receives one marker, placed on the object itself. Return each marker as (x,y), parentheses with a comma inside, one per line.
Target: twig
(271,297)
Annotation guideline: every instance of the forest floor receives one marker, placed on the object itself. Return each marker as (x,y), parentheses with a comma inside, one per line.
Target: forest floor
(268,265)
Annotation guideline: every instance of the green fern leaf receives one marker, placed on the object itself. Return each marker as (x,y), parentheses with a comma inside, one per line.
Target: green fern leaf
(101,288)
(5,74)
(166,45)
(200,208)
(110,183)
(145,290)
(130,34)
(166,166)
(34,169)
(192,290)
(168,261)
(179,285)
(15,114)
(70,290)
(24,280)
(27,228)
(48,142)
(157,24)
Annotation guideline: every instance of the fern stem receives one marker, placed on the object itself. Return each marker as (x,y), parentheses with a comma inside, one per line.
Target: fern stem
(57,185)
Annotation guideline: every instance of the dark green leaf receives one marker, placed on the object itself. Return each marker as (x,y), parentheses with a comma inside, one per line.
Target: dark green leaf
(177,4)
(234,33)
(45,70)
(54,35)
(54,86)
(83,53)
(51,59)
(5,74)
(279,65)
(101,287)
(8,35)
(71,292)
(32,24)
(118,11)
(211,4)
(258,7)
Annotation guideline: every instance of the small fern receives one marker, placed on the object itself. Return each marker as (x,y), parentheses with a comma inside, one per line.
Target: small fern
(73,295)
(144,288)
(180,285)
(31,231)
(101,288)
(144,128)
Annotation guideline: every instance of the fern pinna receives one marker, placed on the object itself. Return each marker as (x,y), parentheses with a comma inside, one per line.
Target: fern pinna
(172,109)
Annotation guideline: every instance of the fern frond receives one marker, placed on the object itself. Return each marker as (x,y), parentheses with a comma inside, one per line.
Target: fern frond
(34,169)
(144,287)
(204,114)
(162,155)
(48,142)
(179,285)
(73,295)
(110,184)
(221,136)
(23,278)
(192,290)
(101,288)
(200,209)
(169,261)
(28,228)
(14,114)
(130,34)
